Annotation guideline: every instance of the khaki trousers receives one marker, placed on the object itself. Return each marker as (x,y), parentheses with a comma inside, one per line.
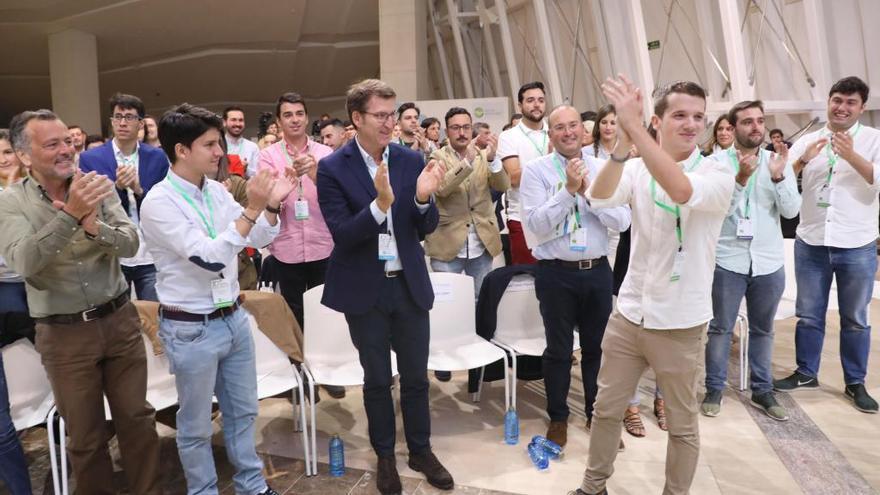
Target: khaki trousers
(675,355)
(84,362)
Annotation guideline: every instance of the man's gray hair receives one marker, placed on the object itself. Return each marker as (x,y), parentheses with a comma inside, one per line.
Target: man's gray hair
(17,136)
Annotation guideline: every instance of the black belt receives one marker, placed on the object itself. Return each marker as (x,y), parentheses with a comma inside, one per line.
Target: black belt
(576,265)
(393,274)
(177,315)
(99,311)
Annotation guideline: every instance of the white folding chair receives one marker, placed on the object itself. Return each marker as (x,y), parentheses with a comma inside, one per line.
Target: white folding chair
(329,356)
(276,374)
(455,344)
(520,329)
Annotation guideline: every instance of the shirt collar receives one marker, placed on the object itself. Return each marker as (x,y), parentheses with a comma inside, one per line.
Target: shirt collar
(527,130)
(691,160)
(186,185)
(118,152)
(366,156)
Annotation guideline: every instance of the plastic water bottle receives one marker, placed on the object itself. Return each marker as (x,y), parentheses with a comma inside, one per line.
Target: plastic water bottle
(552,449)
(511,427)
(337,457)
(538,456)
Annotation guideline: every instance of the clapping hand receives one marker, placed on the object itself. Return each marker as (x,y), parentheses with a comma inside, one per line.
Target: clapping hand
(575,172)
(384,193)
(747,166)
(778,161)
(429,181)
(626,98)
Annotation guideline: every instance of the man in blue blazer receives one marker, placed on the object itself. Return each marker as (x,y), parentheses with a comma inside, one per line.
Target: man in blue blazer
(135,168)
(377,200)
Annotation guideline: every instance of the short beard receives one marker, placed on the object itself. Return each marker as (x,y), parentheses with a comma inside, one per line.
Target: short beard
(530,119)
(746,143)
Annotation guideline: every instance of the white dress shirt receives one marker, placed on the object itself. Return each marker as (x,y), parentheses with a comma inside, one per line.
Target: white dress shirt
(142,257)
(527,144)
(648,295)
(186,256)
(851,219)
(247,150)
(550,212)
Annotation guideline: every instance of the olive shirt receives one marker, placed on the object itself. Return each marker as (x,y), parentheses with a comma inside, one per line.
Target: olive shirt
(65,270)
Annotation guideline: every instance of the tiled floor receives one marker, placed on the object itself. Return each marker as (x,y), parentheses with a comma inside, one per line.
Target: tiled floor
(741,452)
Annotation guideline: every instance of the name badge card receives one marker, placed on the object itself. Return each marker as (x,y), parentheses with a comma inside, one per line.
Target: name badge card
(387,247)
(301,209)
(221,291)
(578,240)
(677,265)
(744,229)
(823,197)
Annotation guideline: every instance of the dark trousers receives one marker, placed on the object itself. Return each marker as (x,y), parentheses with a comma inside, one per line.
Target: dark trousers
(295,279)
(144,279)
(572,299)
(396,322)
(86,361)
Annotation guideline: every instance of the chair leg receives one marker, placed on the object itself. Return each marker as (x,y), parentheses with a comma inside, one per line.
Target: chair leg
(62,439)
(50,429)
(743,354)
(475,397)
(311,457)
(744,343)
(512,401)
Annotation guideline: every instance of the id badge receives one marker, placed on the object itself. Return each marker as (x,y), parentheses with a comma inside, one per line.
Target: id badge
(744,229)
(221,291)
(301,209)
(578,240)
(387,247)
(823,197)
(677,265)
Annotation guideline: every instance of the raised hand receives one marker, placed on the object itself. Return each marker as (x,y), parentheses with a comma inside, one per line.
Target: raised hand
(429,181)
(842,145)
(127,178)
(778,161)
(281,188)
(491,147)
(626,98)
(86,192)
(384,193)
(811,152)
(747,166)
(259,187)
(575,171)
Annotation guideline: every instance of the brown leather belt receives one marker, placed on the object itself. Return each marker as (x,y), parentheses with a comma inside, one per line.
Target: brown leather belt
(576,265)
(177,315)
(90,314)
(393,274)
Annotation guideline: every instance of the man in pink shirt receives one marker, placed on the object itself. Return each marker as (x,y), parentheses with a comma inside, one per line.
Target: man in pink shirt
(302,247)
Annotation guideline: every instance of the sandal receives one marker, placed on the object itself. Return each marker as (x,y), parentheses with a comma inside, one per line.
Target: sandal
(632,422)
(660,412)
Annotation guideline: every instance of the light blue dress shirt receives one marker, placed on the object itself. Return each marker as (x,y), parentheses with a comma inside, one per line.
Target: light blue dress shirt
(764,253)
(548,210)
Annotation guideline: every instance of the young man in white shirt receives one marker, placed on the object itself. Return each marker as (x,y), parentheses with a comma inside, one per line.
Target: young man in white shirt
(522,143)
(837,236)
(236,143)
(679,200)
(195,229)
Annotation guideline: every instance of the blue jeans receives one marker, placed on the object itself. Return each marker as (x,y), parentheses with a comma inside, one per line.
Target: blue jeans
(144,279)
(13,467)
(854,269)
(215,358)
(13,297)
(475,267)
(762,293)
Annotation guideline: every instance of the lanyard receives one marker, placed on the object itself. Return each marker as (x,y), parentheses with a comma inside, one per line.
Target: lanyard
(543,149)
(209,226)
(833,157)
(675,211)
(751,183)
(299,189)
(577,213)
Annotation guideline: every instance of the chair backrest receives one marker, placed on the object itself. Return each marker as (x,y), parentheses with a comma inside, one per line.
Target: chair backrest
(326,338)
(453,317)
(519,315)
(30,394)
(269,357)
(161,387)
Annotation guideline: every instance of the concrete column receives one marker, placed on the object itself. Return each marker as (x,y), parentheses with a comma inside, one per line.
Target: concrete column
(403,48)
(73,75)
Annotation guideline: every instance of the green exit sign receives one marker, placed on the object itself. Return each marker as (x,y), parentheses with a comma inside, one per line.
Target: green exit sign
(653,45)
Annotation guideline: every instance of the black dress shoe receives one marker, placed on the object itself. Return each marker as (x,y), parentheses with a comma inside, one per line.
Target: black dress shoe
(428,464)
(335,391)
(443,376)
(387,479)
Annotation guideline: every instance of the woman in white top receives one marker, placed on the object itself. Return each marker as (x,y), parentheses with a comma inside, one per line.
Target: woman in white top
(605,132)
(722,137)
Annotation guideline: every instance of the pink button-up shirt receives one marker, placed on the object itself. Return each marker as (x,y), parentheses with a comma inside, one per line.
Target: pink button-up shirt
(299,241)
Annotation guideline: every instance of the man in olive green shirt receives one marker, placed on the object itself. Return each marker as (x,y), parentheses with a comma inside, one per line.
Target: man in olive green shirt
(64,232)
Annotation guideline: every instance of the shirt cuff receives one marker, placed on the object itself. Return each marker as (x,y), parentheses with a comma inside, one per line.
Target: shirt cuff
(423,207)
(378,215)
(106,236)
(495,166)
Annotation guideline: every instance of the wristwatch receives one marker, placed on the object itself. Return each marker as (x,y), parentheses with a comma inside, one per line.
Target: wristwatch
(620,160)
(274,210)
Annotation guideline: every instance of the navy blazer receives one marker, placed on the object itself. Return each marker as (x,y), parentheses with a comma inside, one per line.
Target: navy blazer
(345,191)
(152,167)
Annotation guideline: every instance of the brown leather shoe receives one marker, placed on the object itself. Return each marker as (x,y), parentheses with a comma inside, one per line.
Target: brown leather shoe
(428,464)
(558,432)
(387,479)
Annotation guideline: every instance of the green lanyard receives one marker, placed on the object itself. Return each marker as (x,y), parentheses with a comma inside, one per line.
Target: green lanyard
(751,183)
(833,157)
(676,210)
(209,226)
(543,149)
(577,213)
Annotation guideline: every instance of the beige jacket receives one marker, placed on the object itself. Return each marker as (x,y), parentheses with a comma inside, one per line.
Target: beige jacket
(464,198)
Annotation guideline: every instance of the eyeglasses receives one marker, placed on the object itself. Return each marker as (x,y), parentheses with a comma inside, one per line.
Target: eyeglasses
(129,117)
(383,117)
(571,127)
(457,128)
